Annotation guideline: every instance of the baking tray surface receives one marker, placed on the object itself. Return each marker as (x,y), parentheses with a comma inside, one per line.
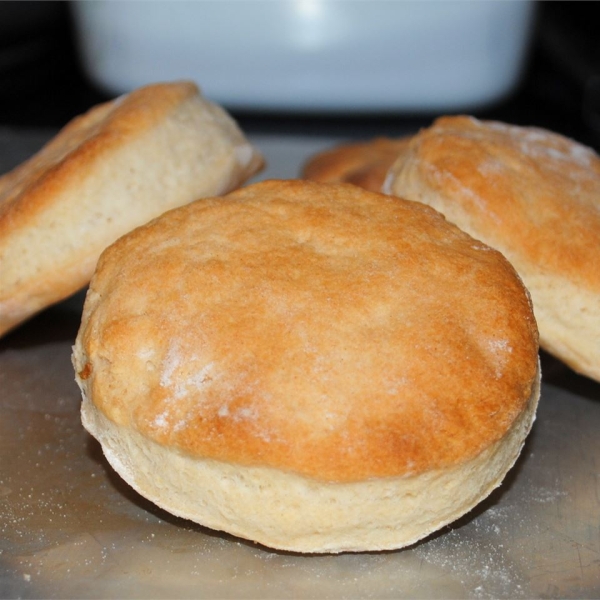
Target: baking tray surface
(71,528)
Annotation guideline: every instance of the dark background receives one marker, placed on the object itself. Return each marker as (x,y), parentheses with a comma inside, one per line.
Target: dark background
(42,83)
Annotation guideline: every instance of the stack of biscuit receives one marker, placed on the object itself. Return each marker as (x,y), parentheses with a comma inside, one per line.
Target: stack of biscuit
(316,366)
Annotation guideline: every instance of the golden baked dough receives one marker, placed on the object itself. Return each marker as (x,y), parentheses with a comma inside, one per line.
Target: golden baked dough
(114,168)
(293,342)
(362,163)
(533,195)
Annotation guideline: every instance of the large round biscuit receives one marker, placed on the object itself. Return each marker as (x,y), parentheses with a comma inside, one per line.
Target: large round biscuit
(314,367)
(533,195)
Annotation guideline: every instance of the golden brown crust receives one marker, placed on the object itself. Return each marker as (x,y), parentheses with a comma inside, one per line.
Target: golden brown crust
(97,132)
(531,194)
(363,163)
(107,171)
(318,329)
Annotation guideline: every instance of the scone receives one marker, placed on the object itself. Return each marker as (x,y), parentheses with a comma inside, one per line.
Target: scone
(108,171)
(362,163)
(534,196)
(314,367)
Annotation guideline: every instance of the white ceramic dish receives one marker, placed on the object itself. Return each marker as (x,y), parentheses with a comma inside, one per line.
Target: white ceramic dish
(312,55)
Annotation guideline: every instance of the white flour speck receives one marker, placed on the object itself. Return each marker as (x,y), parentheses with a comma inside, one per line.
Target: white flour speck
(174,375)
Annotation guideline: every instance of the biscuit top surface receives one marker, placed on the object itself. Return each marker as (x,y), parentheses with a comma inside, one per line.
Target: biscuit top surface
(529,192)
(319,329)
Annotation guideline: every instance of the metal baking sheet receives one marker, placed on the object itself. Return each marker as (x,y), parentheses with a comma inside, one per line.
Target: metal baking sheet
(70,528)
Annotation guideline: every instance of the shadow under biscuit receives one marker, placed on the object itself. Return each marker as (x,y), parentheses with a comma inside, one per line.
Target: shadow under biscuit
(58,323)
(558,374)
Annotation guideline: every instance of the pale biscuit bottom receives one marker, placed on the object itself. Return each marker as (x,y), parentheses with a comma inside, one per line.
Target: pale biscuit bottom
(286,511)
(566,314)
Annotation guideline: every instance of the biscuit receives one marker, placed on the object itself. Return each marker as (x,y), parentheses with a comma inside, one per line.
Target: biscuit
(534,196)
(362,163)
(313,367)
(114,168)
